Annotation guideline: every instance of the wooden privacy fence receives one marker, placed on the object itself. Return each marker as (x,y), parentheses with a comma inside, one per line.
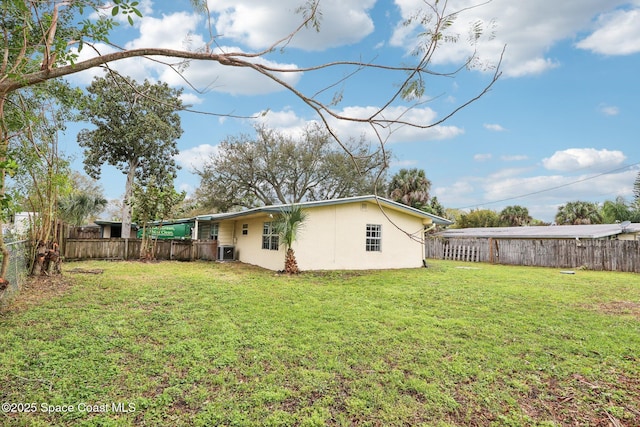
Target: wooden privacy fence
(124,249)
(610,255)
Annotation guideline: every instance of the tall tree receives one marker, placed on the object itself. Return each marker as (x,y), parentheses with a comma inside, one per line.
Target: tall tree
(579,212)
(288,225)
(40,41)
(83,202)
(277,168)
(436,208)
(156,201)
(76,207)
(137,127)
(619,210)
(410,187)
(515,216)
(41,172)
(478,218)
(636,191)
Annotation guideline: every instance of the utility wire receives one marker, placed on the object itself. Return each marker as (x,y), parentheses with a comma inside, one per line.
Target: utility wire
(552,188)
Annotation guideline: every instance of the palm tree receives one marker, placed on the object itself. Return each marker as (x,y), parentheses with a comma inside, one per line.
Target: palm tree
(616,211)
(288,226)
(77,207)
(515,216)
(410,187)
(579,212)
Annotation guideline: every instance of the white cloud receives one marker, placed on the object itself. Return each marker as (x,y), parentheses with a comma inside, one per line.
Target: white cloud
(191,99)
(290,122)
(542,194)
(195,158)
(582,158)
(494,127)
(212,76)
(618,33)
(286,121)
(85,77)
(531,67)
(559,188)
(482,157)
(188,188)
(178,31)
(609,110)
(528,30)
(258,24)
(172,31)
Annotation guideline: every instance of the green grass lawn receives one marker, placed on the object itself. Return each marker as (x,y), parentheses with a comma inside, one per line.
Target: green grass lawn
(229,344)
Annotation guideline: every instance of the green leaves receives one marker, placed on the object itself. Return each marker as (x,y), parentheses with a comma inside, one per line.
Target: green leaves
(9,165)
(127,9)
(289,223)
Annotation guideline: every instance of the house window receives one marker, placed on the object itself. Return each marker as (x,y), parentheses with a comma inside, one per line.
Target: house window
(245,229)
(270,238)
(215,228)
(374,238)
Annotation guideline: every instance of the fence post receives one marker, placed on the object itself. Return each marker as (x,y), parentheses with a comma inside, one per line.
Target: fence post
(491,250)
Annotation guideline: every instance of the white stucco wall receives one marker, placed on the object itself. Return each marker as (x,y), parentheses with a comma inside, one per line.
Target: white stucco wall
(249,246)
(333,238)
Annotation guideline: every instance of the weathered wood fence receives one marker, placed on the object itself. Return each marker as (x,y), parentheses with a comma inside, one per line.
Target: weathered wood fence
(610,255)
(124,249)
(86,232)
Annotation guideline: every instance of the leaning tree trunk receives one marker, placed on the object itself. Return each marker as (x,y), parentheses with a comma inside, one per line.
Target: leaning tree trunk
(4,145)
(290,263)
(4,252)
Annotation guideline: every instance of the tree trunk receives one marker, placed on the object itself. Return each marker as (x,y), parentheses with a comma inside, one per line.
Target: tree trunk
(5,262)
(126,202)
(52,261)
(290,263)
(47,260)
(4,145)
(38,263)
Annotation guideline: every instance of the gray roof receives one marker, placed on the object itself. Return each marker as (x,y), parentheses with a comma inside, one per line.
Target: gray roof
(593,231)
(357,199)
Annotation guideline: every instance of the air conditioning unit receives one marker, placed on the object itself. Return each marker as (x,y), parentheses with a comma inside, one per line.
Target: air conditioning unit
(225,253)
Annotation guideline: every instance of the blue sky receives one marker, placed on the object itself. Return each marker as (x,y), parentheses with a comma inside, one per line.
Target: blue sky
(561,124)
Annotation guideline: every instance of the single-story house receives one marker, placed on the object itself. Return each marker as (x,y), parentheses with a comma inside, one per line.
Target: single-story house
(113,229)
(364,232)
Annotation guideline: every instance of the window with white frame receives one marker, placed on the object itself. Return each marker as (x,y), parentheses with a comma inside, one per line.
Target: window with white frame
(215,230)
(270,238)
(374,238)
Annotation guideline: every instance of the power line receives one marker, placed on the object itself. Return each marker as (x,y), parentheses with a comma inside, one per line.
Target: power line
(552,188)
